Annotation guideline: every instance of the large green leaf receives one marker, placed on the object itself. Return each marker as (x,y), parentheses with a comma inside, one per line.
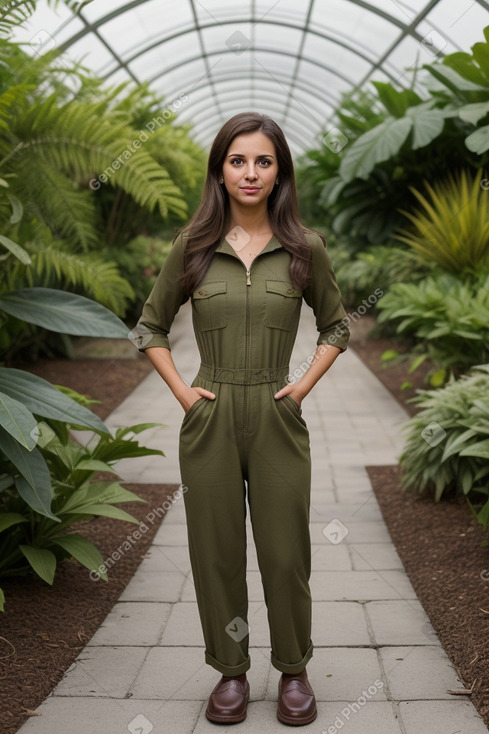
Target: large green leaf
(106,511)
(83,550)
(449,77)
(478,141)
(473,112)
(17,420)
(34,486)
(7,519)
(377,145)
(66,313)
(396,102)
(45,400)
(36,497)
(43,561)
(427,124)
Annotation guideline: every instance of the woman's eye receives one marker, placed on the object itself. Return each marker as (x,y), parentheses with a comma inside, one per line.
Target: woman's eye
(266,161)
(236,160)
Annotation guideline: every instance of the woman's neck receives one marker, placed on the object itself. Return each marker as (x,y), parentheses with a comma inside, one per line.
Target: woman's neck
(252,221)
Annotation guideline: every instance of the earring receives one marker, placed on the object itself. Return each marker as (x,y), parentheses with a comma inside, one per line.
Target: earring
(221,180)
(276,182)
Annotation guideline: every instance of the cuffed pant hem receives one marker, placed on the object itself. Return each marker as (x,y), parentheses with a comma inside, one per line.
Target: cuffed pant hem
(292,667)
(228,669)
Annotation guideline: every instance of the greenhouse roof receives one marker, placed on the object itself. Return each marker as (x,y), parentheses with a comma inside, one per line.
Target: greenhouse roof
(290,59)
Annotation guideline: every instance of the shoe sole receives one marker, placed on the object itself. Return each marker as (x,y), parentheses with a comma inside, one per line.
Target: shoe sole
(297,722)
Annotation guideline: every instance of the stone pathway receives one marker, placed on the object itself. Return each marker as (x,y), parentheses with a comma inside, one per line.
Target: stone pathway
(377,668)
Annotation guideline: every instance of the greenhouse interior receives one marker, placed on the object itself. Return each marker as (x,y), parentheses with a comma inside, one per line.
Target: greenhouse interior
(110,113)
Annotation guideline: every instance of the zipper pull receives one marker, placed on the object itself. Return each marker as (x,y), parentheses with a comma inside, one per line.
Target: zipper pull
(248,278)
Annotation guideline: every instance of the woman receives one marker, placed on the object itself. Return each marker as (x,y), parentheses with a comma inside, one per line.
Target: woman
(246,262)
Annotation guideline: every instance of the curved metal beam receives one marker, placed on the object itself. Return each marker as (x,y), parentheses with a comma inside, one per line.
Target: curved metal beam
(302,128)
(221,82)
(199,27)
(265,99)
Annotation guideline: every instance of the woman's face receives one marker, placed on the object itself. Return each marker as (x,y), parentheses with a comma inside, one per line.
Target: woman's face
(250,168)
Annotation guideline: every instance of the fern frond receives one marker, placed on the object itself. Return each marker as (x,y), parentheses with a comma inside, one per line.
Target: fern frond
(13,14)
(77,140)
(54,266)
(57,200)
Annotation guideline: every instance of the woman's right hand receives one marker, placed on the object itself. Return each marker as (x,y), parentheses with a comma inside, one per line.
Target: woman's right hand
(192,394)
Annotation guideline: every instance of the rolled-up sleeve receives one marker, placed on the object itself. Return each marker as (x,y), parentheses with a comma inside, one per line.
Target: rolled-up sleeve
(324,297)
(163,303)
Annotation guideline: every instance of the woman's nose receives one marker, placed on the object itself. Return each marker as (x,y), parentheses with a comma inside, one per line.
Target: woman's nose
(250,173)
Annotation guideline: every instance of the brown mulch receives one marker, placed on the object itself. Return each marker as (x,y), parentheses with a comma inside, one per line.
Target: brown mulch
(108,380)
(44,628)
(440,546)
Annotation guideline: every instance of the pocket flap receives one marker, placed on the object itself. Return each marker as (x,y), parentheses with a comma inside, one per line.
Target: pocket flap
(283,287)
(210,289)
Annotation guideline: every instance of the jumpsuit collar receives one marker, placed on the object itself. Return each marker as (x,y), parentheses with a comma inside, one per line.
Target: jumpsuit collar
(224,246)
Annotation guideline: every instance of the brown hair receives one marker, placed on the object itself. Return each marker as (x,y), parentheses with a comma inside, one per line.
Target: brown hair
(207,227)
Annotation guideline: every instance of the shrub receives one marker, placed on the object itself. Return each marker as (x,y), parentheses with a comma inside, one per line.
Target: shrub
(448,317)
(378,267)
(447,448)
(453,229)
(34,522)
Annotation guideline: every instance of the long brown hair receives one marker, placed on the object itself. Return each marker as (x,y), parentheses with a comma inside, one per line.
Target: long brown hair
(206,229)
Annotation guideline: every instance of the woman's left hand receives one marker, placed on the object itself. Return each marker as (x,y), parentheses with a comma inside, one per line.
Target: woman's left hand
(292,391)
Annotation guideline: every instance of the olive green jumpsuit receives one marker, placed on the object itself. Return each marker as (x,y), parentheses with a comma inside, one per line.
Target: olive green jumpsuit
(245,324)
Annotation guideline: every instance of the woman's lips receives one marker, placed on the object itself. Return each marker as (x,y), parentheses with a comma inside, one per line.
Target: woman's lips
(250,189)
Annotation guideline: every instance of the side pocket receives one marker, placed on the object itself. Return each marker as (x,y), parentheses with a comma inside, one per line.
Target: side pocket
(290,401)
(193,408)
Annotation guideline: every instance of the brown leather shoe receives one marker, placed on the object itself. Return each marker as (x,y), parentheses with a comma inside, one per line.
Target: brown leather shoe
(227,702)
(296,700)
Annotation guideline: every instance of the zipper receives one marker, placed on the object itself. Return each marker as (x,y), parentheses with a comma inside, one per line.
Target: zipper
(247,353)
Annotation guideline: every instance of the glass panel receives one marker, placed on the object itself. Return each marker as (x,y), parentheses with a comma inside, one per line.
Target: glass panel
(139,28)
(278,37)
(460,22)
(354,25)
(91,52)
(228,38)
(166,55)
(405,12)
(47,28)
(335,56)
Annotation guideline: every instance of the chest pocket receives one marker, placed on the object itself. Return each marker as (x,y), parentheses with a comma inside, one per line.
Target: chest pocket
(210,304)
(283,304)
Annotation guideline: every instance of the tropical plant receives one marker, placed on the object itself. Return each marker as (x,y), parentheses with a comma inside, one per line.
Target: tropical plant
(140,261)
(447,316)
(78,173)
(363,179)
(25,398)
(33,525)
(447,447)
(453,229)
(379,267)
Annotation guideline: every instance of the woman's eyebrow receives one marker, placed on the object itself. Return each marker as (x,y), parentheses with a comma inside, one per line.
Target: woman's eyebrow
(241,155)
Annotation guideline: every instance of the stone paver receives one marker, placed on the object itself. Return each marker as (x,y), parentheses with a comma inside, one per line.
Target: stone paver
(377,667)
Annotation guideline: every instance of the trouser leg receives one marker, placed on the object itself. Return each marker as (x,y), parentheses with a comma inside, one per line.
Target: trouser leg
(279,477)
(215,508)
